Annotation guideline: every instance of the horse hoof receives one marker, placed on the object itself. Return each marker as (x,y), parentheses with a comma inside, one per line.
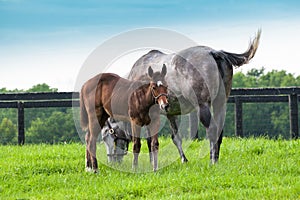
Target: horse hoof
(214,161)
(88,169)
(184,160)
(134,168)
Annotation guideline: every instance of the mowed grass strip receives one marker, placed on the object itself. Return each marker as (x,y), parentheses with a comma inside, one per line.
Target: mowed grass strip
(248,169)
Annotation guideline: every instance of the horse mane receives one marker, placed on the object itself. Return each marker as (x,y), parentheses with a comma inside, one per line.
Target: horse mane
(144,78)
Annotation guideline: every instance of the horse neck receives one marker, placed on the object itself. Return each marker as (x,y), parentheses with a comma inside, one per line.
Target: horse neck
(147,97)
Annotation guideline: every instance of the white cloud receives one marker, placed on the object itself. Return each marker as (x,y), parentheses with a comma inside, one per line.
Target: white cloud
(57,63)
(278,47)
(57,67)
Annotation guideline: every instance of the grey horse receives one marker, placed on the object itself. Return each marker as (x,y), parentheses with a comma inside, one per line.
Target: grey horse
(199,78)
(116,140)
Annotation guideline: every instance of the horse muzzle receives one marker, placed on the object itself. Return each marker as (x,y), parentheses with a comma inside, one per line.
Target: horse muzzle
(164,107)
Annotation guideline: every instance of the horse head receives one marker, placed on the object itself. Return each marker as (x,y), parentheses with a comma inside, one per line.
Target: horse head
(159,88)
(116,141)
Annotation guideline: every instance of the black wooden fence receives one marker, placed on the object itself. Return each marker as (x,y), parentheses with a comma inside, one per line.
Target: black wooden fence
(266,95)
(22,101)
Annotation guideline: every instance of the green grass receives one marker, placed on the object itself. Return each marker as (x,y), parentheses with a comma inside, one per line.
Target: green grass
(248,169)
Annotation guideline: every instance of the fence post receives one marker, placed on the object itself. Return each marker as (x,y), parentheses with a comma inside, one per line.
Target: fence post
(21,126)
(238,117)
(293,107)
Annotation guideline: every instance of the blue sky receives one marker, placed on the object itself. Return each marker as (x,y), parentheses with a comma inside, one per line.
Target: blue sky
(52,38)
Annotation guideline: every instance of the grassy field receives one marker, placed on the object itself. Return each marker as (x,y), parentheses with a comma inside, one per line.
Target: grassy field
(248,169)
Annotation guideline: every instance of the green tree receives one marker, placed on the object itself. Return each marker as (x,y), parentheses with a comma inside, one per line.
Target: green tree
(256,72)
(239,80)
(42,88)
(59,127)
(40,123)
(30,114)
(263,118)
(42,113)
(277,78)
(8,132)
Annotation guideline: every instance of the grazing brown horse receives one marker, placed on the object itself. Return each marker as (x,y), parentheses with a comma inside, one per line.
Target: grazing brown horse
(108,95)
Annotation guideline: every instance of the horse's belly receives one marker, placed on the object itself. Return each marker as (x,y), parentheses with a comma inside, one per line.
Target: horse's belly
(180,106)
(121,117)
(119,107)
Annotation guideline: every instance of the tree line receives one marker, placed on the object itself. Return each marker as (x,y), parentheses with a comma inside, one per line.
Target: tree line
(263,119)
(56,125)
(42,125)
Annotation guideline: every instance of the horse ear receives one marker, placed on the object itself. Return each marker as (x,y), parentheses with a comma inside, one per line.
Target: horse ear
(150,71)
(164,70)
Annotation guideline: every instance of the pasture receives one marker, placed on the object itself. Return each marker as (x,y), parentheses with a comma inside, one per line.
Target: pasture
(253,168)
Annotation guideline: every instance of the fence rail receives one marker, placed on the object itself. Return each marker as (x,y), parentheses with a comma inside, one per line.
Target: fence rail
(289,95)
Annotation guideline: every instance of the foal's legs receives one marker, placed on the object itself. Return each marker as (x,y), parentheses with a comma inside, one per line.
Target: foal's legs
(154,144)
(148,135)
(154,151)
(136,139)
(176,137)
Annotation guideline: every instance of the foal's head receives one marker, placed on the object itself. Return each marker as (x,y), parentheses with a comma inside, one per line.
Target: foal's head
(159,87)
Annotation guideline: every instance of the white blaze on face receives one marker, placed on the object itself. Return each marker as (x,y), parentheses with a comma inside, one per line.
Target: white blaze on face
(163,102)
(159,83)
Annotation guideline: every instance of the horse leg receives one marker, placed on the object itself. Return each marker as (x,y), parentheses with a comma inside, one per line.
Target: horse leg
(95,126)
(211,129)
(154,151)
(136,139)
(91,147)
(219,108)
(153,128)
(217,148)
(88,161)
(194,122)
(176,138)
(214,127)
(149,143)
(215,144)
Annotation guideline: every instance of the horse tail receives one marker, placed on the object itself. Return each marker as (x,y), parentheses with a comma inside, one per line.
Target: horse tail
(83,113)
(238,60)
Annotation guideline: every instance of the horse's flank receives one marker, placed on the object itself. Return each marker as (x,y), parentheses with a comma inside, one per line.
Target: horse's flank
(116,94)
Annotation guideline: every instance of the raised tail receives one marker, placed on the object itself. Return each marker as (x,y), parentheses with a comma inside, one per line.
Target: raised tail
(83,113)
(238,60)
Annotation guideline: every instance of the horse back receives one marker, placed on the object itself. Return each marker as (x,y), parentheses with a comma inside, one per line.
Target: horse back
(96,92)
